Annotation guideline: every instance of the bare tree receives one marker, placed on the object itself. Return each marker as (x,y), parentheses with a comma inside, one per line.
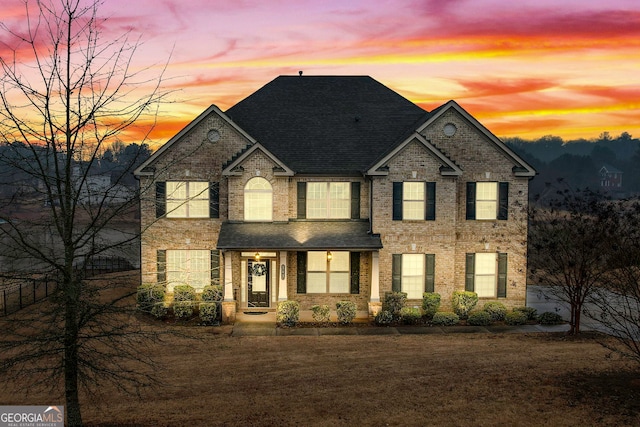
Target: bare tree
(66,94)
(570,247)
(616,304)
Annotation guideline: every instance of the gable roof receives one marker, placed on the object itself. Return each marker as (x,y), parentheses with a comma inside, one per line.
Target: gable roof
(211,110)
(279,170)
(327,124)
(521,167)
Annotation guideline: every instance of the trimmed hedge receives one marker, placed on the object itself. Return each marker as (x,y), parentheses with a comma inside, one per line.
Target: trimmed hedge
(212,293)
(393,303)
(530,312)
(208,312)
(480,318)
(183,309)
(442,318)
(410,315)
(148,295)
(288,313)
(184,293)
(159,310)
(430,304)
(321,313)
(383,318)
(550,318)
(463,302)
(515,318)
(346,311)
(496,310)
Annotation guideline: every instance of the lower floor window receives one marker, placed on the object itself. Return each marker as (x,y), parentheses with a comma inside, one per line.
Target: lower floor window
(328,272)
(188,267)
(413,275)
(486,274)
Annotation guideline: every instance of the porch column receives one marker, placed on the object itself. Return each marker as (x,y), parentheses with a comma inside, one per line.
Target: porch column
(228,278)
(375,276)
(374,303)
(282,277)
(228,305)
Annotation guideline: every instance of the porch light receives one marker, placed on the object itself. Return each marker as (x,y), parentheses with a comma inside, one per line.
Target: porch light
(329,256)
(257,257)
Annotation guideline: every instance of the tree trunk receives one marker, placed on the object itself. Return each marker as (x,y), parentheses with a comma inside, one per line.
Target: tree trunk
(72,401)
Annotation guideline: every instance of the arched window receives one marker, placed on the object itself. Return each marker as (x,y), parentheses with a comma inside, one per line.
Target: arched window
(258,200)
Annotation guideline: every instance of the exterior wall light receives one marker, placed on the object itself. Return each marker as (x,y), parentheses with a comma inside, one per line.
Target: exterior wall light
(257,256)
(329,256)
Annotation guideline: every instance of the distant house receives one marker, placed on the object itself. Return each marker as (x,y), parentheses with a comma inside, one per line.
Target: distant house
(327,188)
(610,178)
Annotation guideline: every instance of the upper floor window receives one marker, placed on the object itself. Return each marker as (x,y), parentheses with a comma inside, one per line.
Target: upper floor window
(328,200)
(187,199)
(487,200)
(414,201)
(258,200)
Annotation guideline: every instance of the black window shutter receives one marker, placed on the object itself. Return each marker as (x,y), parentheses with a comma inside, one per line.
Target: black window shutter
(429,272)
(502,275)
(215,267)
(302,273)
(161,199)
(214,200)
(469,284)
(161,265)
(471,200)
(396,273)
(397,201)
(503,200)
(355,272)
(430,211)
(355,200)
(302,200)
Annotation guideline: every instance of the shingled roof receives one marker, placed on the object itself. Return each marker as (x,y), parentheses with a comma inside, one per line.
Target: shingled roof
(327,124)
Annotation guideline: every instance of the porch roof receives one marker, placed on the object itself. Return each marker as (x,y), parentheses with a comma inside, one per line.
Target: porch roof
(298,235)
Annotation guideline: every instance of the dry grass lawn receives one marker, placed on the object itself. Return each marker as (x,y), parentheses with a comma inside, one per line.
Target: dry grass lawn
(453,380)
(212,378)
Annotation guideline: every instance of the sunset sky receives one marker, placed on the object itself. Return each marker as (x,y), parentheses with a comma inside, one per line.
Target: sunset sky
(524,68)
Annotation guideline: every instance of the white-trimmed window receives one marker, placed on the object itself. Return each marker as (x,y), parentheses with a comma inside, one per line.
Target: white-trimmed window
(328,200)
(328,274)
(413,202)
(258,200)
(485,275)
(413,275)
(187,199)
(188,267)
(486,200)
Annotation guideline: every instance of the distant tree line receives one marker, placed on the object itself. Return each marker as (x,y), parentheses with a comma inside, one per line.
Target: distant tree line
(576,163)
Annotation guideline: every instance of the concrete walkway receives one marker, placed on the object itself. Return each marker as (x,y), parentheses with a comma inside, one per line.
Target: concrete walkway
(265,325)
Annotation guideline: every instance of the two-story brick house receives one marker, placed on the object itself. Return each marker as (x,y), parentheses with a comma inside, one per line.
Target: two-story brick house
(325,188)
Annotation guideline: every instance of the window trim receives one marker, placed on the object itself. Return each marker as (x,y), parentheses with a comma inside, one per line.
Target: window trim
(429,201)
(327,271)
(328,199)
(249,192)
(502,201)
(170,212)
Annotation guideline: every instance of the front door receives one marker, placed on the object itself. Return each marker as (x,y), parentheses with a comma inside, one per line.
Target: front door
(258,286)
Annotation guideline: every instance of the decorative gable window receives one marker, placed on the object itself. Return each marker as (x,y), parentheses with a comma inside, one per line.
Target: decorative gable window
(328,200)
(413,274)
(258,200)
(486,274)
(487,200)
(414,201)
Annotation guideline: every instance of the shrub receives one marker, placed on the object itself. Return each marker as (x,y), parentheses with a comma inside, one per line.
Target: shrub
(321,313)
(383,318)
(212,293)
(393,303)
(410,315)
(430,304)
(530,312)
(550,318)
(208,312)
(463,302)
(183,309)
(148,295)
(184,293)
(445,319)
(346,311)
(288,313)
(496,310)
(515,318)
(159,310)
(480,318)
